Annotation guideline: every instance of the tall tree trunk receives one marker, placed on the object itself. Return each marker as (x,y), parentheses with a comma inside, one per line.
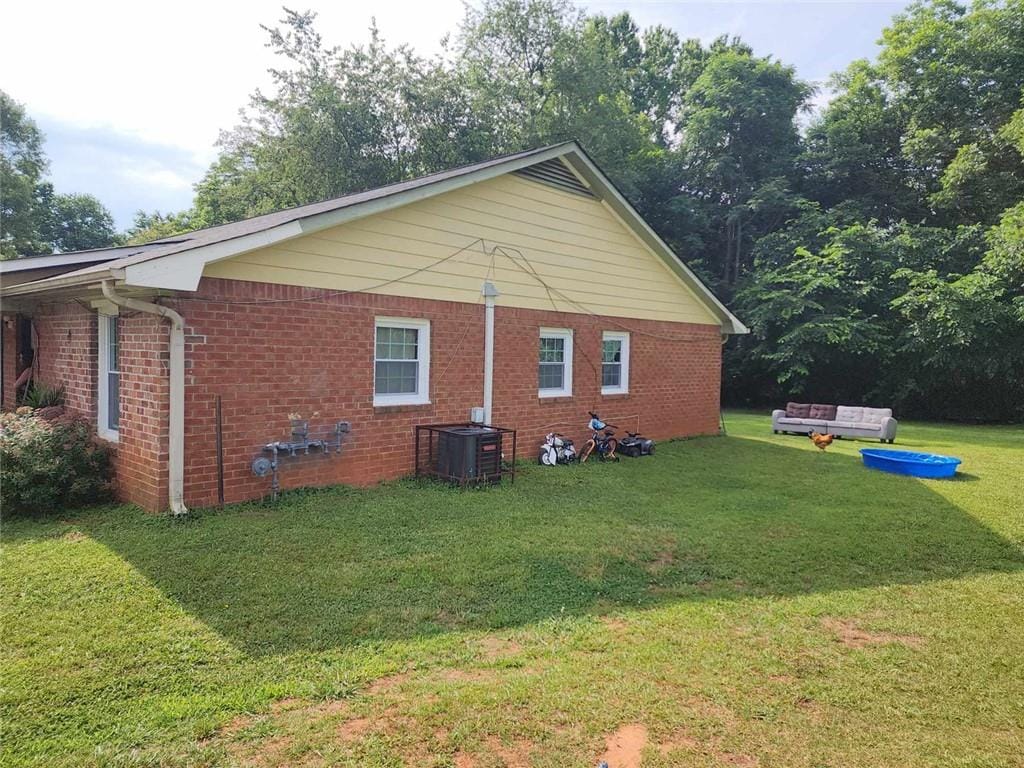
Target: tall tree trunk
(727,256)
(739,249)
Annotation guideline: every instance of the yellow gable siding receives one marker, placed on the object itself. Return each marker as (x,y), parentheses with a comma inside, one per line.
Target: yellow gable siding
(574,246)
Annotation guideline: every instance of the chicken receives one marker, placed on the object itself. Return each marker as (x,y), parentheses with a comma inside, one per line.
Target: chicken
(820,440)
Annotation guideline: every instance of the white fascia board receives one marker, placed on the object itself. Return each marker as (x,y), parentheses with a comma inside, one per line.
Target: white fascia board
(54,283)
(182,270)
(596,179)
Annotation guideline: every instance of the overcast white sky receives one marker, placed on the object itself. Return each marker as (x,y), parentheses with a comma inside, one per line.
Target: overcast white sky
(132,95)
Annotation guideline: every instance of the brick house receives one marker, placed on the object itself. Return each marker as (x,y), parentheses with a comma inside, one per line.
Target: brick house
(369,308)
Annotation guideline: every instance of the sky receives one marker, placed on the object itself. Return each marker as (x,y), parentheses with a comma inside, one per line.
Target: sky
(132,96)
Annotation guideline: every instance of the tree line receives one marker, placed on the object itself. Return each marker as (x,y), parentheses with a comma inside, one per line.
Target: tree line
(877,254)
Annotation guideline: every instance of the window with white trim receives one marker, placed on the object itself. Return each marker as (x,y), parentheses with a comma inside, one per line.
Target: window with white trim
(401,364)
(109,378)
(614,363)
(554,374)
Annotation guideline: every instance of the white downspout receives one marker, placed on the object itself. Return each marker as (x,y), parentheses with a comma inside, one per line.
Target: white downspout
(176,376)
(489,293)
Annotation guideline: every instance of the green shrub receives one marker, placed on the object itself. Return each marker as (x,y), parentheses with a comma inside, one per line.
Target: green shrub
(40,395)
(50,466)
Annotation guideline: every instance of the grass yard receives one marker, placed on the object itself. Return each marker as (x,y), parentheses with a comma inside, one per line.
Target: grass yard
(736,601)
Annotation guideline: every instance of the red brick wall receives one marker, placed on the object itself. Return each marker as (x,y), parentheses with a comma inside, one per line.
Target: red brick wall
(266,360)
(66,353)
(142,438)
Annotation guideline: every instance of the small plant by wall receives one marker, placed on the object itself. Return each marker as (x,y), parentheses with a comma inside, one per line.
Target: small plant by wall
(39,395)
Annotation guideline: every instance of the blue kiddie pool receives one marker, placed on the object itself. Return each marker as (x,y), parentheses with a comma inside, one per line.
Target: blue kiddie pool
(910,463)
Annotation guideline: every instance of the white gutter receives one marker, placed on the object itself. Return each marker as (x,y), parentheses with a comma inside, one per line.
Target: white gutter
(490,293)
(176,374)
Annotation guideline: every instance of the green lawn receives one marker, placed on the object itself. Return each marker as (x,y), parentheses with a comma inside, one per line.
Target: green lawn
(736,601)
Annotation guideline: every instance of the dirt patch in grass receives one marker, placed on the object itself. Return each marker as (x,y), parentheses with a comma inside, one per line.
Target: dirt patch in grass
(681,740)
(615,623)
(662,561)
(263,753)
(74,537)
(852,636)
(352,729)
(624,748)
(684,741)
(286,712)
(385,684)
(497,648)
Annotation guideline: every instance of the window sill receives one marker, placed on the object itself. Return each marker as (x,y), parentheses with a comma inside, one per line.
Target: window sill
(380,408)
(108,436)
(542,399)
(615,394)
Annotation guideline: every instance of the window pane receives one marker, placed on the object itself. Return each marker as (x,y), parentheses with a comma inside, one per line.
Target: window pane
(552,350)
(611,351)
(611,375)
(396,378)
(113,400)
(112,344)
(397,343)
(552,375)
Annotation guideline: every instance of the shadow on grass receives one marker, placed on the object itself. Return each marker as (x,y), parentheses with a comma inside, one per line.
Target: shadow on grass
(710,518)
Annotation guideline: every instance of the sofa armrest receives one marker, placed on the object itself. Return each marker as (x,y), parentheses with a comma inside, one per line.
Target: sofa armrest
(776,415)
(889,425)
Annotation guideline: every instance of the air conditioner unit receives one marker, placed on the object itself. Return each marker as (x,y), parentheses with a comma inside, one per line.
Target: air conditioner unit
(469,454)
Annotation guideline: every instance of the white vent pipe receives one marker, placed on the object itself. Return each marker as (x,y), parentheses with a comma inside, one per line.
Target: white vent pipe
(489,293)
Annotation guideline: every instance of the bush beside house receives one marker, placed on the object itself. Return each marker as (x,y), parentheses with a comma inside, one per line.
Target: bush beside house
(50,465)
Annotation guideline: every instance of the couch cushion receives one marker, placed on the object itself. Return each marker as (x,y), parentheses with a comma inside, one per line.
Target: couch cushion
(786,421)
(823,412)
(875,415)
(798,410)
(855,425)
(849,413)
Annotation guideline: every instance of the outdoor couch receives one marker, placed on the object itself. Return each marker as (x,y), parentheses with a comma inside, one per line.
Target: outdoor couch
(840,421)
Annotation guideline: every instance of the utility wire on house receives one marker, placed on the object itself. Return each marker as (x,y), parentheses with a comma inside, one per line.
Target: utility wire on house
(532,272)
(506,251)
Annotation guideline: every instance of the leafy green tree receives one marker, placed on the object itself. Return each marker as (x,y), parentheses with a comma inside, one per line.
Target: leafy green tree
(853,155)
(147,227)
(738,134)
(961,341)
(33,218)
(957,73)
(506,50)
(78,223)
(338,121)
(22,169)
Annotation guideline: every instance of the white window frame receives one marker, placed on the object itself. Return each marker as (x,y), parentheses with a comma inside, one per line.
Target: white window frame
(422,394)
(102,377)
(566,388)
(623,387)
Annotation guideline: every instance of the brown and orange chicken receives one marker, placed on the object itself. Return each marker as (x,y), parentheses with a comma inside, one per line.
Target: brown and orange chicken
(820,440)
